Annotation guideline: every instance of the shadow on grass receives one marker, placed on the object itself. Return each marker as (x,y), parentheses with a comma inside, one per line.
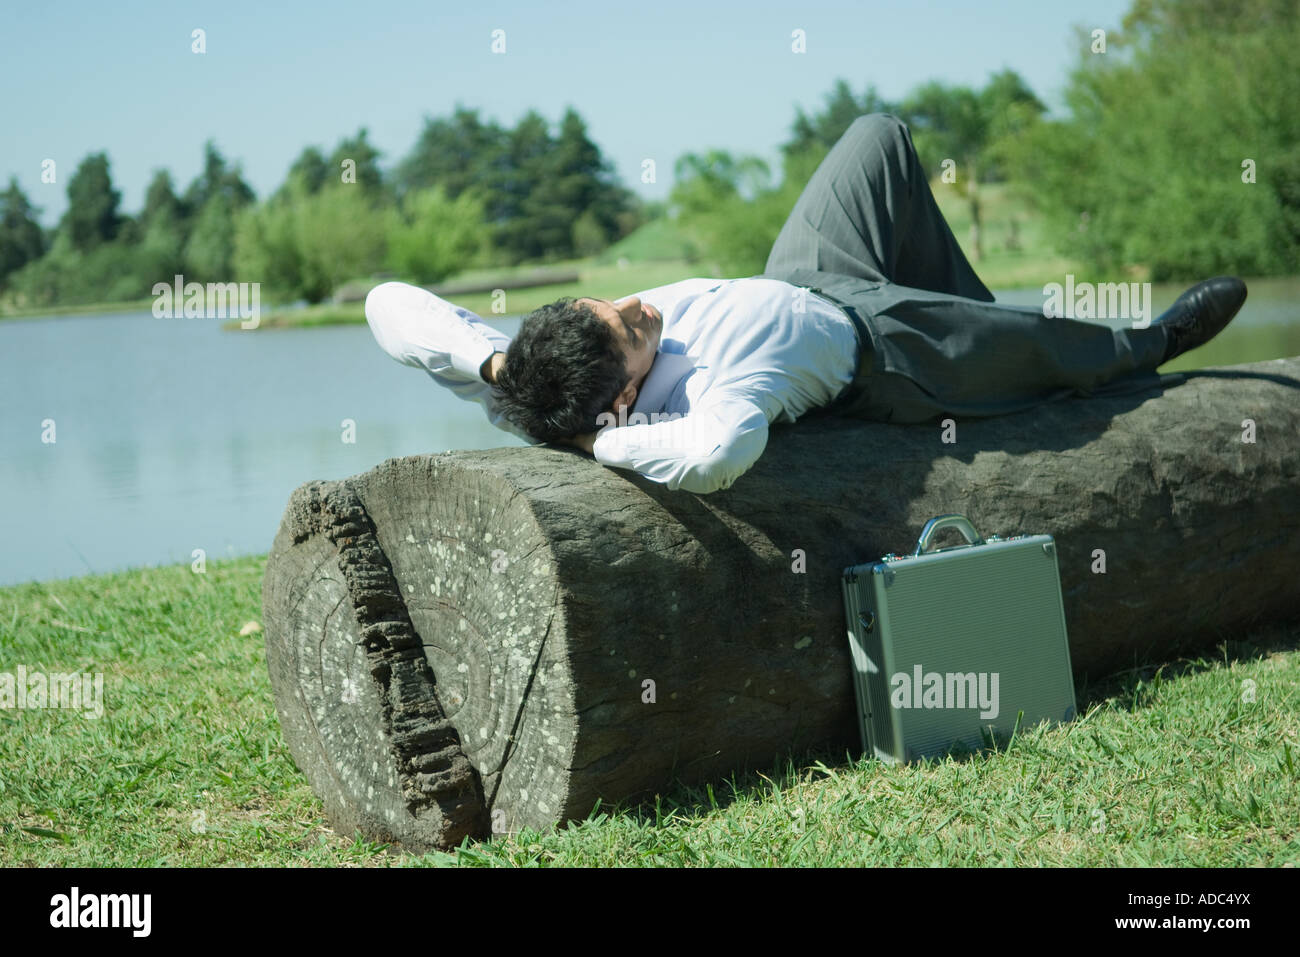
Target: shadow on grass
(1131,690)
(1134,687)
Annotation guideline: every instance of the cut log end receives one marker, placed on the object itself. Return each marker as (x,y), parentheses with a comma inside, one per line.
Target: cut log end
(359,705)
(437,708)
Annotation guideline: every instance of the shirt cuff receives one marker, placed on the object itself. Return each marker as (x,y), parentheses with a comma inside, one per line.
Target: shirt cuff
(470,361)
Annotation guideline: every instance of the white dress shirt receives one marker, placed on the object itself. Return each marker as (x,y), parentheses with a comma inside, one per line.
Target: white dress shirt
(734,356)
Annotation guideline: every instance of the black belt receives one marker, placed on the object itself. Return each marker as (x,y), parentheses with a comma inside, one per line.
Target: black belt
(858,385)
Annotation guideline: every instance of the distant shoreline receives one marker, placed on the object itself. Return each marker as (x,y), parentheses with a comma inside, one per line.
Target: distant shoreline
(94,308)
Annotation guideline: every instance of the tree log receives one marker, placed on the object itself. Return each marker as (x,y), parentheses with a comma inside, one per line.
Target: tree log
(482,641)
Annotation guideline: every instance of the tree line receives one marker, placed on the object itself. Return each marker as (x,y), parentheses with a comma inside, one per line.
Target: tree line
(470,193)
(1178,151)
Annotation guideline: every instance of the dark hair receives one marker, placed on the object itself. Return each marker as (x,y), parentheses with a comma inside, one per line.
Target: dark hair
(562,370)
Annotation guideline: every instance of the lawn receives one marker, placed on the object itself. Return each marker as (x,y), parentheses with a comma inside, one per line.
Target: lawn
(1191,763)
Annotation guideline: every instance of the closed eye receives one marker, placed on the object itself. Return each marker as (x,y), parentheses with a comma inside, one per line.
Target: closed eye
(631,332)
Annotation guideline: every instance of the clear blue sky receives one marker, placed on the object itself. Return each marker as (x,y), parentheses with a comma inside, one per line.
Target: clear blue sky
(652,79)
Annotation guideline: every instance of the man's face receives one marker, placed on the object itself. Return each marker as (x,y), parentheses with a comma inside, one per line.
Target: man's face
(637,327)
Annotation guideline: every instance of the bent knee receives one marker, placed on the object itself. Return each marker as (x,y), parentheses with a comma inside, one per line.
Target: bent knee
(877,124)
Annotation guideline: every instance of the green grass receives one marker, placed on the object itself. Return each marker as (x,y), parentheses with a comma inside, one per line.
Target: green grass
(659,240)
(1167,766)
(90,309)
(1035,263)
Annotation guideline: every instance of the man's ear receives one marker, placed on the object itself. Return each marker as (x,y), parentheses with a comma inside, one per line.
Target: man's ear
(627,397)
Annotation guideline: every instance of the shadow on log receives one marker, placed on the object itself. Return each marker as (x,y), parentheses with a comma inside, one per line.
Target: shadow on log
(482,641)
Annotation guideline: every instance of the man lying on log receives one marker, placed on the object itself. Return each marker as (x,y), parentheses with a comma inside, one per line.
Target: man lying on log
(866,307)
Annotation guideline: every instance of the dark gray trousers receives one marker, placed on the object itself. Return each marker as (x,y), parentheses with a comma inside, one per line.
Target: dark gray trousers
(867,234)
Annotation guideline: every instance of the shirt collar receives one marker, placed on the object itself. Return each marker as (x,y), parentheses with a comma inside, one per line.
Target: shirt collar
(661,381)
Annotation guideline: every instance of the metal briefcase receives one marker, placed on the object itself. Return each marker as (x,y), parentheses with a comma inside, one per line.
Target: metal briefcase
(950,641)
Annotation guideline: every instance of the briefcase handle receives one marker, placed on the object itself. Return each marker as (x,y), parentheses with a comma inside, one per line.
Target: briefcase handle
(959,522)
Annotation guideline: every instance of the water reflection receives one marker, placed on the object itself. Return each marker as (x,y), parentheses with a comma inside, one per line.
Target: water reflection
(173,435)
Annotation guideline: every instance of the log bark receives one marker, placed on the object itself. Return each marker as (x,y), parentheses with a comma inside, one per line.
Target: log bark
(483,641)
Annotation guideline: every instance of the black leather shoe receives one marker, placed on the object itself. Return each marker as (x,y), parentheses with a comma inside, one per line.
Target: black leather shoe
(1200,314)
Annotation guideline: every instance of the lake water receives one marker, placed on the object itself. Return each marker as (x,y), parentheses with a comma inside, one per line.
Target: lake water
(173,435)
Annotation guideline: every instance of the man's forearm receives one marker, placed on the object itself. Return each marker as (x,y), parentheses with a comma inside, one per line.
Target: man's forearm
(585,441)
